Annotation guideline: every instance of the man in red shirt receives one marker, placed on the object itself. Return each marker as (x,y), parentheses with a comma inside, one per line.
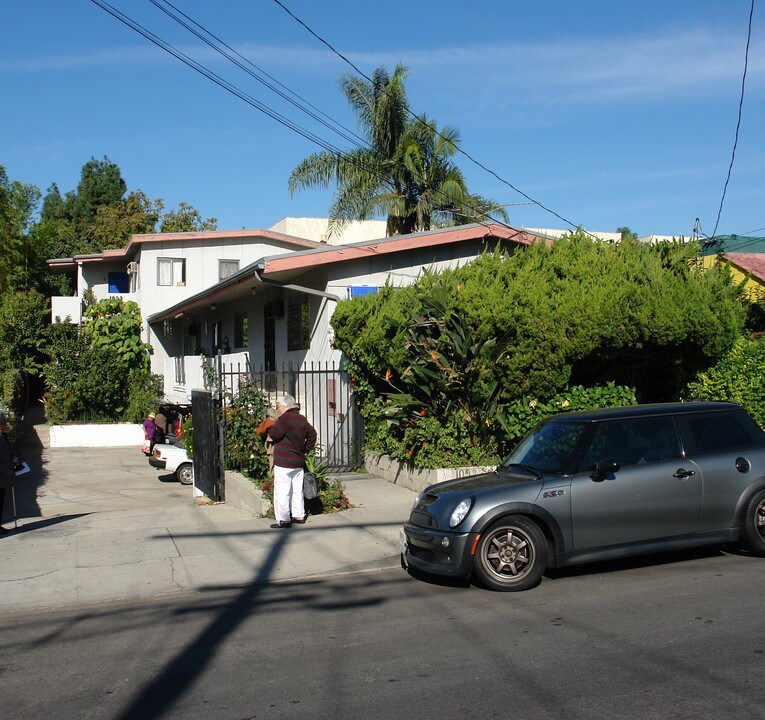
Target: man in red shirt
(294,438)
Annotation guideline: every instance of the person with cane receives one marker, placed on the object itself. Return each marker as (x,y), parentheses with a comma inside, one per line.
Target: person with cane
(7,462)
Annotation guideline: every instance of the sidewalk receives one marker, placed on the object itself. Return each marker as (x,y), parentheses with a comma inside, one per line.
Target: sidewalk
(101,524)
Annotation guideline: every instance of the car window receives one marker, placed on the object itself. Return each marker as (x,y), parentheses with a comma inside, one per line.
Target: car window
(706,433)
(548,448)
(633,441)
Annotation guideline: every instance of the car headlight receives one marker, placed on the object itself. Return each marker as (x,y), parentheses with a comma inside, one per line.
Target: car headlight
(459,513)
(416,500)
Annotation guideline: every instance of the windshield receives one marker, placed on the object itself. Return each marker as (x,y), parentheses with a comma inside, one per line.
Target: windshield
(548,448)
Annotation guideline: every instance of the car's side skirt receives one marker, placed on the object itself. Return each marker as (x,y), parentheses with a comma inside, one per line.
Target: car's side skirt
(613,552)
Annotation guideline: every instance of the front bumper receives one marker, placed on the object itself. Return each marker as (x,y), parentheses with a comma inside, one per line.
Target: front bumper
(157,463)
(436,552)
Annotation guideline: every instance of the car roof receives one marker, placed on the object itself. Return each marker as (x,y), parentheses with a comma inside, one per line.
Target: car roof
(615,413)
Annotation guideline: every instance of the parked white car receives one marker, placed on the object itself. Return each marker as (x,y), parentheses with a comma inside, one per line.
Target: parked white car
(173,458)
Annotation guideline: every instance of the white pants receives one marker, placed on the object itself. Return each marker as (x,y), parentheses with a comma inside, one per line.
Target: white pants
(288,493)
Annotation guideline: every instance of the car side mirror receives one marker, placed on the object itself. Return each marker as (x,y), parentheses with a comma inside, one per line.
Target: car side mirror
(604,468)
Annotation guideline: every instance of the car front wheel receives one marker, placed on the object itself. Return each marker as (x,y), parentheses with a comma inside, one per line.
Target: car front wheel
(185,474)
(753,525)
(511,555)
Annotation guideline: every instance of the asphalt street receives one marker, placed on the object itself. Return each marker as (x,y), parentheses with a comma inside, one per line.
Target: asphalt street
(674,637)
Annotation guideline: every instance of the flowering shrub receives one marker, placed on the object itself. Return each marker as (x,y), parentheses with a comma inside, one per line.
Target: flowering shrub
(245,449)
(331,498)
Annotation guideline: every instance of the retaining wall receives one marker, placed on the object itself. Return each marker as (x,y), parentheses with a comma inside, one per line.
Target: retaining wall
(399,473)
(243,494)
(117,435)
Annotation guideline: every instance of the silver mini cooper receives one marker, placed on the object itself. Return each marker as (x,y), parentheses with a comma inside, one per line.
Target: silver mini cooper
(597,485)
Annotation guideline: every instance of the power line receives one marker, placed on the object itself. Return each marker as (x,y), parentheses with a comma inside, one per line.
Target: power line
(198,67)
(231,88)
(738,122)
(256,72)
(460,150)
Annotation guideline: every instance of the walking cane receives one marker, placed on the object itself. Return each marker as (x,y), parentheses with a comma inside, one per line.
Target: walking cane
(15,517)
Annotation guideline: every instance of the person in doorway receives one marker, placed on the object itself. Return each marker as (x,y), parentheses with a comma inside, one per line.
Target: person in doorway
(7,462)
(294,437)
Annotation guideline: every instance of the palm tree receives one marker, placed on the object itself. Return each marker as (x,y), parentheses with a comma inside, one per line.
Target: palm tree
(404,171)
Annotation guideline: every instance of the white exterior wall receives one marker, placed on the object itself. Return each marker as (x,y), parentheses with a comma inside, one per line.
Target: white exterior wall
(202,269)
(318,229)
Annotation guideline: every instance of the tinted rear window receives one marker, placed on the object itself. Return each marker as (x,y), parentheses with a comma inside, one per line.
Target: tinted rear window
(717,432)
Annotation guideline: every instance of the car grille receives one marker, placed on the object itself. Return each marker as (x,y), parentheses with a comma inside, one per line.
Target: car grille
(422,519)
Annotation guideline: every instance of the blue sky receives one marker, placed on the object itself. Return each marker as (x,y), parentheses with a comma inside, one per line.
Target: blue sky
(607,113)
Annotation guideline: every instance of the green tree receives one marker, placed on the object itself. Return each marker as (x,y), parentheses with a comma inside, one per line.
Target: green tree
(186,219)
(113,225)
(404,172)
(23,322)
(101,185)
(627,235)
(466,346)
(18,203)
(98,215)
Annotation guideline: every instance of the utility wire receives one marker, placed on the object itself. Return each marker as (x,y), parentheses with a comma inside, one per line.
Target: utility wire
(301,103)
(460,150)
(361,140)
(229,87)
(194,65)
(738,122)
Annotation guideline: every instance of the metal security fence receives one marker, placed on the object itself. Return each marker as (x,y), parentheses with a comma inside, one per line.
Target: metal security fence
(208,460)
(323,391)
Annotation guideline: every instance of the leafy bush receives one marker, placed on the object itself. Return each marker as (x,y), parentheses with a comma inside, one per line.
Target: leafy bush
(187,430)
(86,376)
(332,497)
(444,370)
(145,393)
(245,449)
(115,324)
(23,319)
(737,377)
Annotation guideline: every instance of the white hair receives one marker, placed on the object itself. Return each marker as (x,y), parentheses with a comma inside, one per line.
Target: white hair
(287,402)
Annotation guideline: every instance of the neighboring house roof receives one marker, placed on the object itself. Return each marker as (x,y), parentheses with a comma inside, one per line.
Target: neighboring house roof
(137,241)
(279,269)
(744,244)
(751,263)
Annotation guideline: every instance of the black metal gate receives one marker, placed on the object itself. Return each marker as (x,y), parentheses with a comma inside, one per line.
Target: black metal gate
(324,393)
(208,466)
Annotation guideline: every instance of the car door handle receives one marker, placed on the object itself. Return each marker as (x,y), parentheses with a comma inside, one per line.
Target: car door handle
(683,473)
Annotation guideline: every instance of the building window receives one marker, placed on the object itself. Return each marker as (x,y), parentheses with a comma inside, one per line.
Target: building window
(118,282)
(361,290)
(241,327)
(226,268)
(171,271)
(299,323)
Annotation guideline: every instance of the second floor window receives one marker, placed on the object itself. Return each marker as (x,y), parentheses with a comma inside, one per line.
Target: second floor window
(226,268)
(171,271)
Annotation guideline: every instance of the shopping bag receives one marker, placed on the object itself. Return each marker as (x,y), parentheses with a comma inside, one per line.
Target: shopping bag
(310,486)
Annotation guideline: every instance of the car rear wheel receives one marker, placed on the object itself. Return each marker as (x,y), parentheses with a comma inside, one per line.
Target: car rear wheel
(753,525)
(185,474)
(511,555)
